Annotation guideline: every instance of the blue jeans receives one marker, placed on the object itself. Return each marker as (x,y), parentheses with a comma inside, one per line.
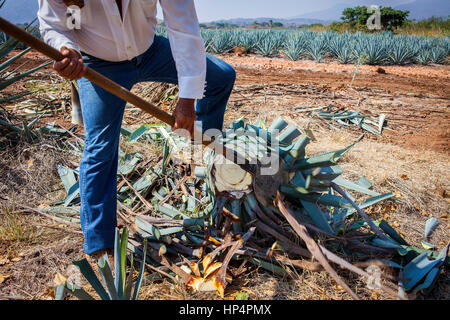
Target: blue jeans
(102,115)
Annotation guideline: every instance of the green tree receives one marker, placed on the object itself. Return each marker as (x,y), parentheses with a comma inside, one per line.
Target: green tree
(390,18)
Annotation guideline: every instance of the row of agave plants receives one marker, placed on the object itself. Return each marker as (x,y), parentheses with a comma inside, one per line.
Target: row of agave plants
(374,49)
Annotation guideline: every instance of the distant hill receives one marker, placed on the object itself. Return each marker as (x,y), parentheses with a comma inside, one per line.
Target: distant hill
(419,9)
(334,13)
(19,11)
(286,22)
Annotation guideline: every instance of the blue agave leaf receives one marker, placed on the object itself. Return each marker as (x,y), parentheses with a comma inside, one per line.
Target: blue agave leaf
(78,292)
(59,292)
(138,282)
(419,267)
(430,225)
(90,276)
(118,281)
(107,277)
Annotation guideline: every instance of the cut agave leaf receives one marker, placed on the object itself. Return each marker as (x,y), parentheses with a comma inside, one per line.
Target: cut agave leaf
(392,233)
(321,160)
(430,226)
(78,292)
(139,132)
(279,124)
(419,267)
(67,176)
(353,186)
(59,292)
(138,283)
(269,266)
(363,182)
(426,245)
(366,203)
(107,277)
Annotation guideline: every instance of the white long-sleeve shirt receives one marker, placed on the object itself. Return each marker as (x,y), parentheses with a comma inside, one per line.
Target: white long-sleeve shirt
(103,34)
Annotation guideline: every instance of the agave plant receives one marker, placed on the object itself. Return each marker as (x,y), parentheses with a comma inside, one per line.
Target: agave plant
(438,55)
(423,56)
(222,43)
(374,51)
(118,286)
(295,48)
(208,37)
(340,48)
(248,41)
(7,76)
(270,44)
(401,53)
(317,49)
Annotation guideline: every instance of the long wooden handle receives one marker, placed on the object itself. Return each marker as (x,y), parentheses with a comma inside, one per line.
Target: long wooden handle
(119,91)
(91,75)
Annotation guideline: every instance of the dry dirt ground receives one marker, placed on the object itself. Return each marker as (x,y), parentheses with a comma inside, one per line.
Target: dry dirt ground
(411,159)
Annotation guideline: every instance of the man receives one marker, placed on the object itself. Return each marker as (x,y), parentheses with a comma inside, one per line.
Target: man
(117,39)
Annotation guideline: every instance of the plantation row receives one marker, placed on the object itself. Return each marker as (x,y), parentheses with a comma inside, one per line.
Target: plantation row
(373,49)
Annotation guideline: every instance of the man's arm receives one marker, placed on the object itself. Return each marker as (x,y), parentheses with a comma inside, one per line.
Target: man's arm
(54,30)
(190,57)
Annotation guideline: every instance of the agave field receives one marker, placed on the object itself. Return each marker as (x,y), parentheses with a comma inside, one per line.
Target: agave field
(374,49)
(364,188)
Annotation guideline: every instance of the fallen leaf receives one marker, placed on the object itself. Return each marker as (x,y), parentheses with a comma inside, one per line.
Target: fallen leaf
(375,295)
(440,192)
(396,224)
(404,177)
(3,261)
(3,277)
(48,294)
(59,279)
(444,215)
(424,213)
(16,259)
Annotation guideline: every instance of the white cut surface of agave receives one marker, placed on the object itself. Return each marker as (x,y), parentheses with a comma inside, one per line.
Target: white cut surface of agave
(229,177)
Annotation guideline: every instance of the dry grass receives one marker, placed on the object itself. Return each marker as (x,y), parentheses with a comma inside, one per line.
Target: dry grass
(35,254)
(412,175)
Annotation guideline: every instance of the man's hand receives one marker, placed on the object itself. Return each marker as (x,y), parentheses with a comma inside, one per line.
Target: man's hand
(79,3)
(72,66)
(185,115)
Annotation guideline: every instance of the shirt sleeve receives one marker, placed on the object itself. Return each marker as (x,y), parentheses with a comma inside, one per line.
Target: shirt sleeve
(188,48)
(53,25)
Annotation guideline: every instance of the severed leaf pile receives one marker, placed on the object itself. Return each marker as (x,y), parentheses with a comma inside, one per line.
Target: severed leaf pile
(205,237)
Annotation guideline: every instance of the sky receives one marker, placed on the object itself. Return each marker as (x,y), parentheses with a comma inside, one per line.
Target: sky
(209,10)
